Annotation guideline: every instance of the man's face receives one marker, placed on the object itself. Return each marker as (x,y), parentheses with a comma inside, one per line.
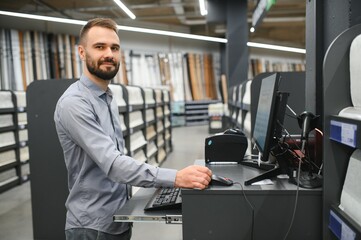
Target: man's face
(101,53)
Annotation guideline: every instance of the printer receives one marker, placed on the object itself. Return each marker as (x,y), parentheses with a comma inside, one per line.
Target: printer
(227,147)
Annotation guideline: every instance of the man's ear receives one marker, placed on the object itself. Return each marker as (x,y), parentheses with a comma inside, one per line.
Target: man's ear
(81,51)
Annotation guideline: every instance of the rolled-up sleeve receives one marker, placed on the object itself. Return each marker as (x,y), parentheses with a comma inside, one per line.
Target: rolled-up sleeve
(128,170)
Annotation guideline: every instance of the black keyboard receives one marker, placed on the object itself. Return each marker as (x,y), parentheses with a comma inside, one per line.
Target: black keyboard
(165,198)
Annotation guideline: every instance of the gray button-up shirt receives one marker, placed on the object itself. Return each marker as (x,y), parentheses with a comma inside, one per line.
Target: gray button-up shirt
(98,170)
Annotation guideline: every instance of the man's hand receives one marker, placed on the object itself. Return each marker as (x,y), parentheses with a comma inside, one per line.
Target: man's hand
(193,177)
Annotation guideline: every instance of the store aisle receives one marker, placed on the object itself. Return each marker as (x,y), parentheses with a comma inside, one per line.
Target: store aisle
(15,204)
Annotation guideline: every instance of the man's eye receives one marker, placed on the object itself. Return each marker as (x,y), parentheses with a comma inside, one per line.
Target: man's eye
(115,48)
(99,47)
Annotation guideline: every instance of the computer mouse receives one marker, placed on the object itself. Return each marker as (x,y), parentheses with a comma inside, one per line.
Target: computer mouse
(220,181)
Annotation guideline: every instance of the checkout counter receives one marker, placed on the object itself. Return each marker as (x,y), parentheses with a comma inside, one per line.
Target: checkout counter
(223,212)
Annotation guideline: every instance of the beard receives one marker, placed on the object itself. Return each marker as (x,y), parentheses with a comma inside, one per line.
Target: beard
(94,69)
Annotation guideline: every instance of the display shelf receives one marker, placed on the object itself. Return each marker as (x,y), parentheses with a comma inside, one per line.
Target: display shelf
(153,160)
(9,183)
(22,124)
(151,149)
(9,140)
(149,96)
(7,129)
(134,98)
(145,109)
(178,107)
(150,131)
(178,113)
(7,110)
(196,112)
(8,147)
(162,155)
(7,166)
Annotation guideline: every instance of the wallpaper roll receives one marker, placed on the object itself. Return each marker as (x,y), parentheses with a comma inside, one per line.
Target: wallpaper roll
(350,201)
(355,71)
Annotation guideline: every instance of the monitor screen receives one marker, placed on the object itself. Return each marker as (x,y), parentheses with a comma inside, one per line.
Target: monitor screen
(269,111)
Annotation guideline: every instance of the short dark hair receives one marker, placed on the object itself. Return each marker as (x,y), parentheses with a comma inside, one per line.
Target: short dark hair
(97,22)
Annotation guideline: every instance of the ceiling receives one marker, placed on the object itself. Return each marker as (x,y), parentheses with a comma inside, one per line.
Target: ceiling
(283,25)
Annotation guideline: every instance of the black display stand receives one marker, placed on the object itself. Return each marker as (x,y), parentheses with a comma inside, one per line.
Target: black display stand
(49,185)
(336,155)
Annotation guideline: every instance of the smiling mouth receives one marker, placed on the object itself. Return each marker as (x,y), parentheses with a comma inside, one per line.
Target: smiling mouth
(108,63)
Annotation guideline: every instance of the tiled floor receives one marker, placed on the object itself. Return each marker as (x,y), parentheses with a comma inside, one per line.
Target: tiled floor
(15,204)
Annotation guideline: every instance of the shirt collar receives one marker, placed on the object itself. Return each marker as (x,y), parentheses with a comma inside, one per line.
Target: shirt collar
(93,87)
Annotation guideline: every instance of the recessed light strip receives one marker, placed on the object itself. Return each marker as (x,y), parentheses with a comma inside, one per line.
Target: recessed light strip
(276,47)
(44,18)
(120,27)
(172,34)
(125,9)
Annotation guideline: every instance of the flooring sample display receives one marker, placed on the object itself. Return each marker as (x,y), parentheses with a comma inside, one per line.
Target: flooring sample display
(135,119)
(6,100)
(137,140)
(7,157)
(7,139)
(134,95)
(6,120)
(118,94)
(149,115)
(149,96)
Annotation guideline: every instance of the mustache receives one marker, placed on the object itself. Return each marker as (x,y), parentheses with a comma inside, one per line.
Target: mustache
(107,60)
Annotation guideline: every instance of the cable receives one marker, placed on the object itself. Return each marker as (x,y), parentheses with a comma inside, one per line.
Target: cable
(251,206)
(296,201)
(298,182)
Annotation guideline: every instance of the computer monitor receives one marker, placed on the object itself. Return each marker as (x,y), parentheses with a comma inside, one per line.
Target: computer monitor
(268,124)
(269,116)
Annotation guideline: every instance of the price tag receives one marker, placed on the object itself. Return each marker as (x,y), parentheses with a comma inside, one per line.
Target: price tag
(347,233)
(348,134)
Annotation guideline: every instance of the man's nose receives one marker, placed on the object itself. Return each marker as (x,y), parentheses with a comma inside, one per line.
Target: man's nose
(109,52)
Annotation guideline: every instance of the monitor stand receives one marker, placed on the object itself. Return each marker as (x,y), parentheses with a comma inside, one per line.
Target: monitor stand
(284,157)
(267,175)
(260,165)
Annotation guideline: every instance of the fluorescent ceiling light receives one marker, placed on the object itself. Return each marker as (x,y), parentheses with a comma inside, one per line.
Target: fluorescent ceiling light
(125,9)
(202,6)
(44,18)
(276,47)
(120,27)
(153,31)
(172,34)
